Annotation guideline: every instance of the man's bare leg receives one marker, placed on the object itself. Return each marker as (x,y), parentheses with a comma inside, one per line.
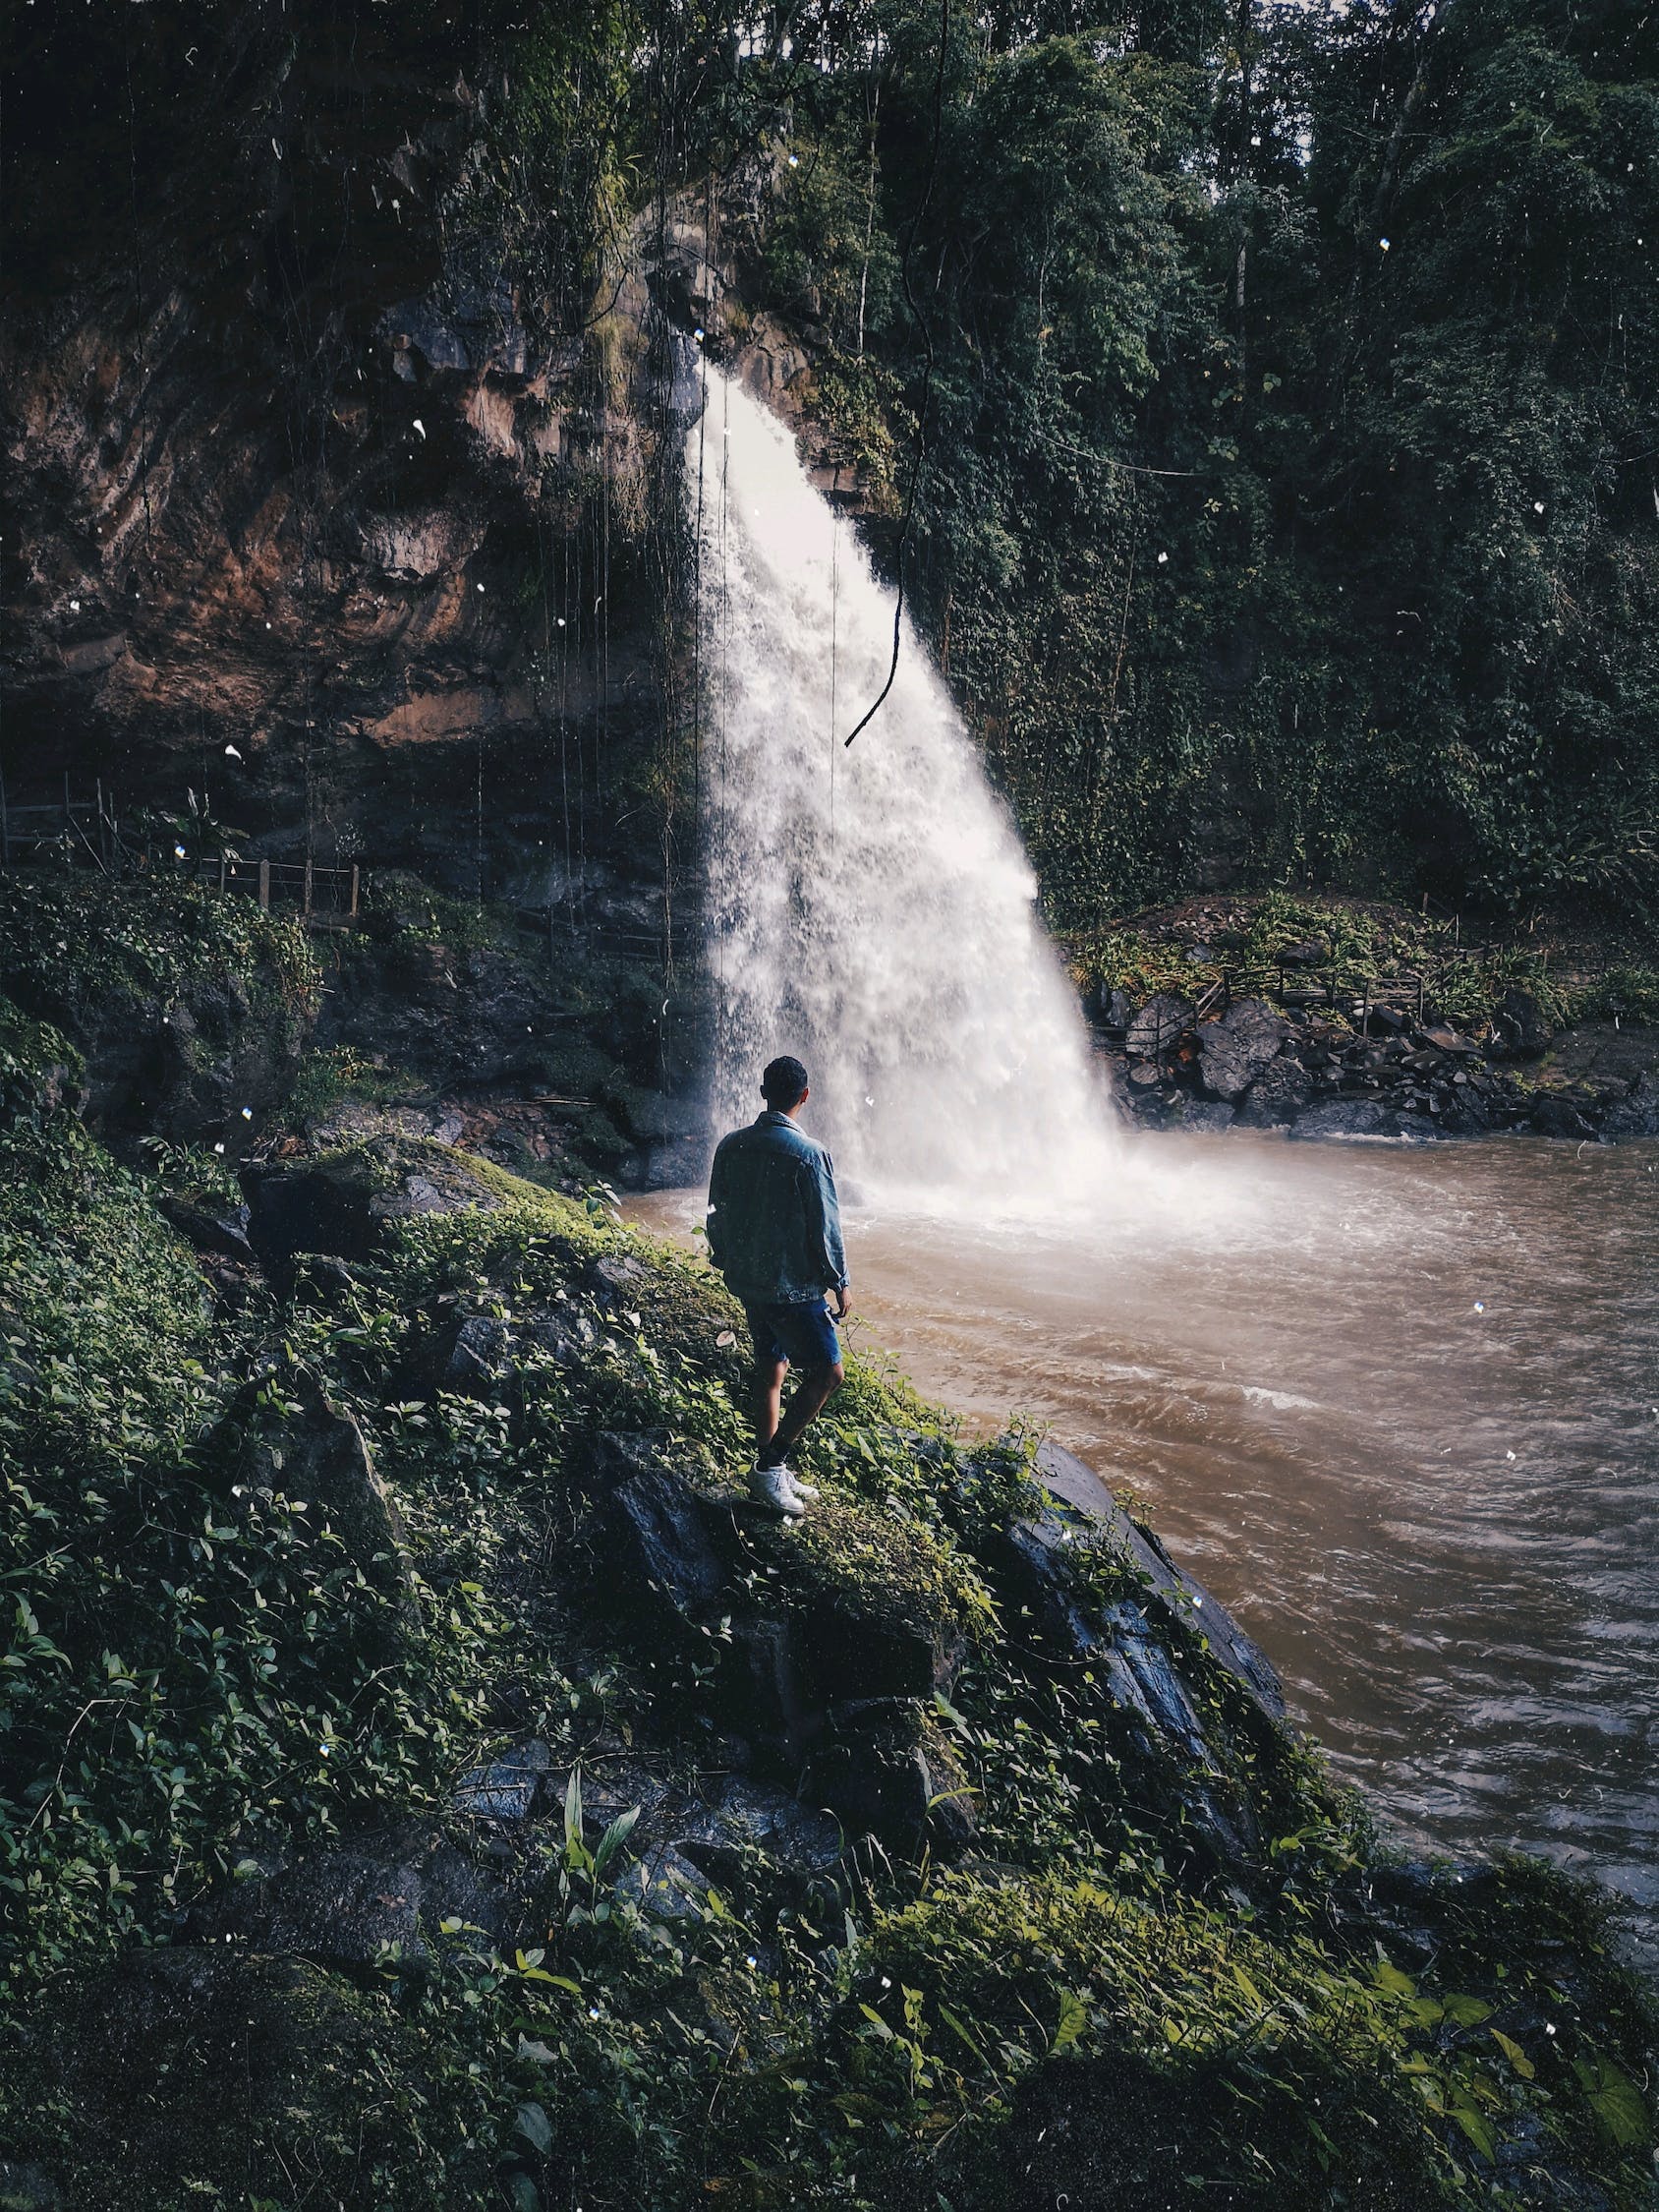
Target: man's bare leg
(812,1393)
(769,1401)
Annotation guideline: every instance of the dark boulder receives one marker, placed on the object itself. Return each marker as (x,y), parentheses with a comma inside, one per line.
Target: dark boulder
(1108,1008)
(663,1537)
(1563,1114)
(1207,1115)
(341,1906)
(1159,1026)
(1520,1031)
(1636,1114)
(887,1773)
(1237,1049)
(1361,1117)
(340,1202)
(1183,1600)
(1279,1095)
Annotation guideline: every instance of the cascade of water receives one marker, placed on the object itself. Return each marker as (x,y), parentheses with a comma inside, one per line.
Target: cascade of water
(870,911)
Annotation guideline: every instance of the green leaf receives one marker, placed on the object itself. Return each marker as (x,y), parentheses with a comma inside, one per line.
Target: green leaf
(1073,2023)
(1473,2125)
(1389,1977)
(613,1839)
(535,2128)
(1468,2012)
(1615,2100)
(1512,2051)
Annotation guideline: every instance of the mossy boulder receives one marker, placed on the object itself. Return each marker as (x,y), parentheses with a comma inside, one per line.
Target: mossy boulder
(186,1006)
(342,1201)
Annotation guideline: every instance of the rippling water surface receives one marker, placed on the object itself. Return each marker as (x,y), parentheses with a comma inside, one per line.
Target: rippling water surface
(1400,1409)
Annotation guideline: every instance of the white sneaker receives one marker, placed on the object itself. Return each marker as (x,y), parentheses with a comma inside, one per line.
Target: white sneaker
(807,1491)
(772,1486)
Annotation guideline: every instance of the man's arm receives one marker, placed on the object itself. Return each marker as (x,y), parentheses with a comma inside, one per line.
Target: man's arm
(713,1219)
(831,1254)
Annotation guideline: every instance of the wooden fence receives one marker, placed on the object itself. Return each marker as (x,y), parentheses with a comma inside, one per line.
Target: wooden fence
(90,831)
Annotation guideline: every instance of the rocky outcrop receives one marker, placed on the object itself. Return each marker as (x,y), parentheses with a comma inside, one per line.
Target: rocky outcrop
(302,1445)
(1298,1071)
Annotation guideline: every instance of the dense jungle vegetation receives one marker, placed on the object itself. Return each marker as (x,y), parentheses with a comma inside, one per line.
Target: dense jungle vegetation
(1280,381)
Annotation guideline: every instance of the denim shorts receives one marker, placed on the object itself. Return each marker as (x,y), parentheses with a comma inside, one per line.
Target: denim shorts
(803,1335)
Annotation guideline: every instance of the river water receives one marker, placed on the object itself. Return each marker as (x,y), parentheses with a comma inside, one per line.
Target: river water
(1397,1408)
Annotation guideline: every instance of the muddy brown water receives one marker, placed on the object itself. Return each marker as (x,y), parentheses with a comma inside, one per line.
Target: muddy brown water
(1397,1408)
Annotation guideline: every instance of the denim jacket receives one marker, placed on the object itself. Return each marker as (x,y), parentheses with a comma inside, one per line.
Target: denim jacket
(775,1225)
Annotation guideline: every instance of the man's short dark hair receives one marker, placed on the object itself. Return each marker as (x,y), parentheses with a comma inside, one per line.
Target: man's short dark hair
(785,1084)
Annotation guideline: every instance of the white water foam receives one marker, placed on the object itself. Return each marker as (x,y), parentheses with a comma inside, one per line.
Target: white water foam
(870,911)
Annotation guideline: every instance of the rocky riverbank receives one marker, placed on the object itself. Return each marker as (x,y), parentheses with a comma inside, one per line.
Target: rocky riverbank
(1330,1019)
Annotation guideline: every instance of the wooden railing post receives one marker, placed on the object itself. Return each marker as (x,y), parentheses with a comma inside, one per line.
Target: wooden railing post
(354,890)
(264,883)
(307,889)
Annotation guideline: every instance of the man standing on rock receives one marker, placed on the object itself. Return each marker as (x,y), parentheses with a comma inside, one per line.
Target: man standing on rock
(774,1232)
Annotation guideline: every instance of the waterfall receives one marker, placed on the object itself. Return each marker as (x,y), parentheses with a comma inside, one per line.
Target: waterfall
(870,911)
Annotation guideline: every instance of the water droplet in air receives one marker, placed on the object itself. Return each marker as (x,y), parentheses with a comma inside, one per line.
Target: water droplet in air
(1479,1305)
(1162,559)
(1509,1455)
(247,1113)
(1384,243)
(231,753)
(1537,506)
(178,852)
(794,162)
(75,607)
(419,425)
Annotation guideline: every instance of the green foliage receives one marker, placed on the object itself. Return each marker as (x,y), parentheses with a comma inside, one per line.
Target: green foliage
(328,1081)
(193,1665)
(80,950)
(1350,947)
(1285,502)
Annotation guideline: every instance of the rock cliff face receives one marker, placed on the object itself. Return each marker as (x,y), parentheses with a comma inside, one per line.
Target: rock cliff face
(312,499)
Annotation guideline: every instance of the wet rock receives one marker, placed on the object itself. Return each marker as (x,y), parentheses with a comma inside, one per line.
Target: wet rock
(1309,953)
(1110,1007)
(1183,1599)
(1558,1114)
(1159,1026)
(510,1787)
(852,1658)
(1636,1114)
(344,1905)
(1279,1095)
(1209,1114)
(1361,1117)
(661,1536)
(889,1776)
(1235,1051)
(751,1817)
(218,1228)
(666,1885)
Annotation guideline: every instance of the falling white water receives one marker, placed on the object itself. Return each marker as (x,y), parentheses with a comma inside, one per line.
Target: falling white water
(869,910)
